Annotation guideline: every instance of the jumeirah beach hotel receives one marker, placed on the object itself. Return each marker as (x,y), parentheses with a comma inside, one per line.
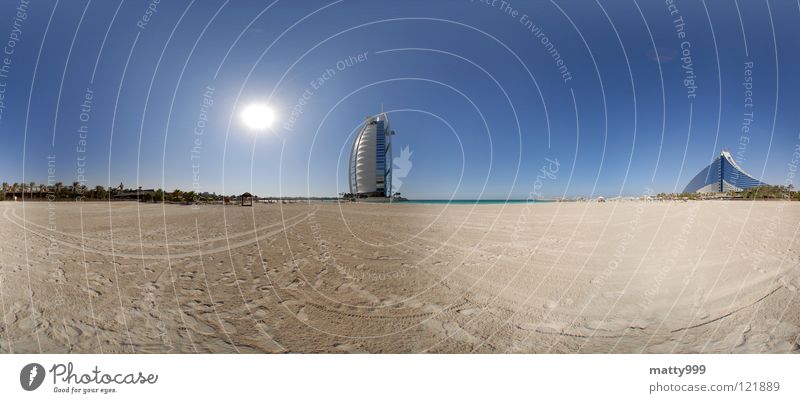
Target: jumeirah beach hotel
(722,175)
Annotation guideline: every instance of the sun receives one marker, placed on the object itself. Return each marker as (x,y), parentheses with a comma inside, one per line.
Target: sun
(258,116)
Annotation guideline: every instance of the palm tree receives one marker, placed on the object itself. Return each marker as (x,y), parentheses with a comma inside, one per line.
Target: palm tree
(59,190)
(5,186)
(30,188)
(189,197)
(177,195)
(100,192)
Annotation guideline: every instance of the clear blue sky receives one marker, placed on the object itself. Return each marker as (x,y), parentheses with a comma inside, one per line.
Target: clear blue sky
(456,76)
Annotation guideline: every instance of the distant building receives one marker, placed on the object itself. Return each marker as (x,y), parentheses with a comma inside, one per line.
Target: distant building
(722,175)
(370,165)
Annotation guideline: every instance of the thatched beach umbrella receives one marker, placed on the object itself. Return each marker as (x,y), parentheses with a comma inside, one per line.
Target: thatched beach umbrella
(246,199)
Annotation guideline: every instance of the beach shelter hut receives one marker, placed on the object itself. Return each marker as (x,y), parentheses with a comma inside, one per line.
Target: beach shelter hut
(246,199)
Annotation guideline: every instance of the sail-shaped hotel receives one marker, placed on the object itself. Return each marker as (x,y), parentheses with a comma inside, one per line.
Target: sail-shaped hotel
(370,166)
(722,175)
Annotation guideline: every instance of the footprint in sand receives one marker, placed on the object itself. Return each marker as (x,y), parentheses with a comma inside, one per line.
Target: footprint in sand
(551,327)
(227,326)
(97,280)
(469,311)
(349,348)
(194,292)
(92,292)
(450,330)
(32,322)
(197,326)
(67,333)
(260,314)
(293,285)
(150,286)
(262,287)
(789,283)
(302,315)
(613,325)
(669,346)
(550,304)
(702,314)
(296,308)
(57,276)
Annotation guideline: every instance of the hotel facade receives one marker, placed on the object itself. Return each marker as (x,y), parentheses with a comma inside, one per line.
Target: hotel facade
(722,175)
(370,163)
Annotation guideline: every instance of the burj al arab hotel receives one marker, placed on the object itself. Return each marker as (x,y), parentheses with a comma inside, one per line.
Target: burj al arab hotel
(370,167)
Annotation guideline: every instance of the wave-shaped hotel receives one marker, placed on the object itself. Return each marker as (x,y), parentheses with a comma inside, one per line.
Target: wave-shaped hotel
(370,167)
(722,175)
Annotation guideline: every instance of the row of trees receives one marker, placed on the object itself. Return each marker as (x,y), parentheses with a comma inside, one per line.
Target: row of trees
(179,196)
(765,192)
(59,191)
(771,192)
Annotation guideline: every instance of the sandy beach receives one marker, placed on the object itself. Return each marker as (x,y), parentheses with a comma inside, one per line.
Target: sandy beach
(623,277)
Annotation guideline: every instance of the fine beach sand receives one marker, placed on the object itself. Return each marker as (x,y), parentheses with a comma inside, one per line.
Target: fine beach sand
(620,277)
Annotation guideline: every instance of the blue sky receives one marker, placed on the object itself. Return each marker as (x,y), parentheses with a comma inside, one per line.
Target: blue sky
(470,87)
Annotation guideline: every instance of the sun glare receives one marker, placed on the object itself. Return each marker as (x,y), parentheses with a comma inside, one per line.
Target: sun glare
(258,116)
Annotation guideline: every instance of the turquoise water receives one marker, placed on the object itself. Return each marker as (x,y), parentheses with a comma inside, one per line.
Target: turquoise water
(484,201)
